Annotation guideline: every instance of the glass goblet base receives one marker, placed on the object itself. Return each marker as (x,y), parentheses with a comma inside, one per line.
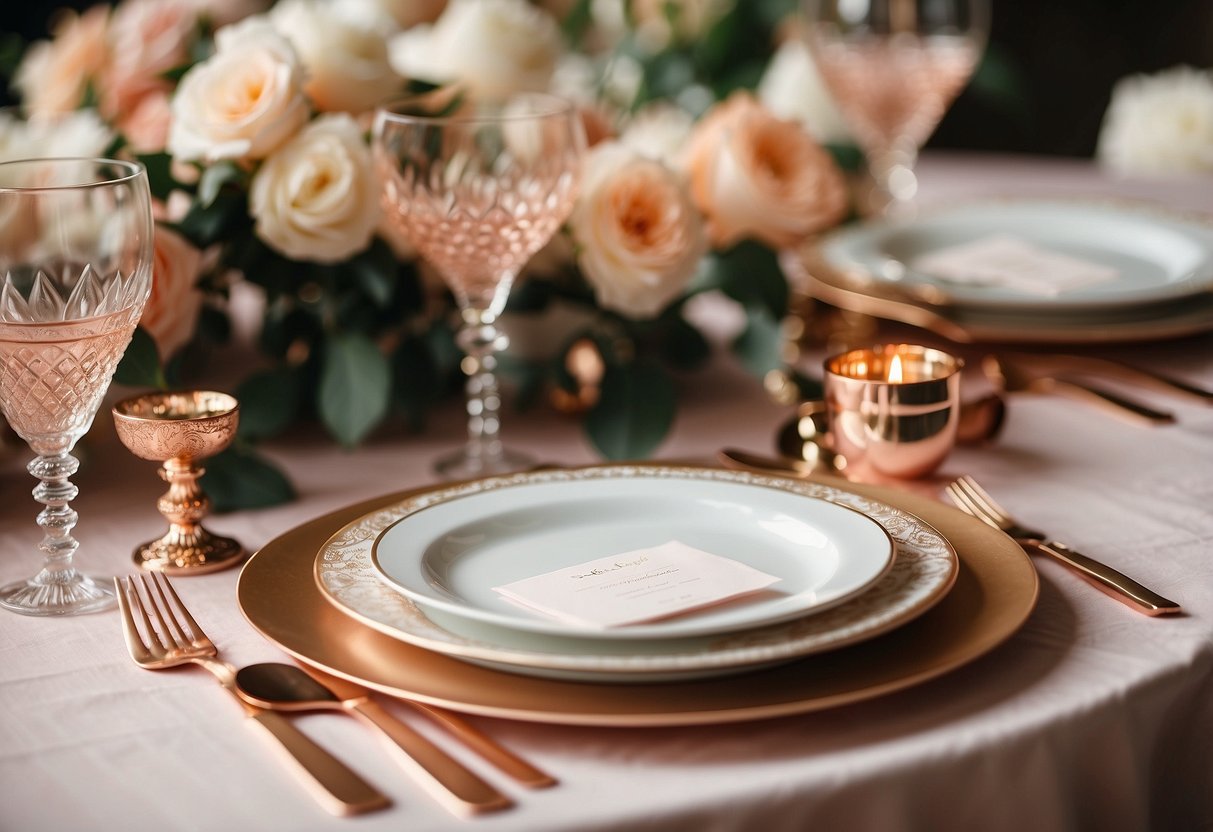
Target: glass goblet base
(465,465)
(58,594)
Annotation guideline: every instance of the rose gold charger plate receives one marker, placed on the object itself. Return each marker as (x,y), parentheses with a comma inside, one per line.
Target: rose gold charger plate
(992,597)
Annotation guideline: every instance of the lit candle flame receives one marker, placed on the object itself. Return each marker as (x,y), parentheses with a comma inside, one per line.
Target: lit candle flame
(895,369)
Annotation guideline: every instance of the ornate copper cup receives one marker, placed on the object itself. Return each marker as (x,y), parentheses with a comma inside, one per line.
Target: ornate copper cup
(178,430)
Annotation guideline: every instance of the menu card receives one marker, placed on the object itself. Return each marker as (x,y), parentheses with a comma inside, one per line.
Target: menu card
(638,586)
(1011,263)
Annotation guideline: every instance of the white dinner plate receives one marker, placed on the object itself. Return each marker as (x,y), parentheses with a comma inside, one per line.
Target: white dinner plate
(1156,256)
(923,570)
(448,554)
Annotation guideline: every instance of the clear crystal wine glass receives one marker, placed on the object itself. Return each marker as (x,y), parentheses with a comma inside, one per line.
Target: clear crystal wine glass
(75,259)
(479,186)
(894,67)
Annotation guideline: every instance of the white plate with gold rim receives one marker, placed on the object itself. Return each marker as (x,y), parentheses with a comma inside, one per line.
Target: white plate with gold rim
(1156,256)
(923,570)
(448,554)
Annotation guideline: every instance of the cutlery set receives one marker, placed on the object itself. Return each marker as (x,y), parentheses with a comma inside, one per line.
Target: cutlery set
(160,633)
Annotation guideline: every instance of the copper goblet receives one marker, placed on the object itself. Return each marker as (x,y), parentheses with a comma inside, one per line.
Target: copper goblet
(178,430)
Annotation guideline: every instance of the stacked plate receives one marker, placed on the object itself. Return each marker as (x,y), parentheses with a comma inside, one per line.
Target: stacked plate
(423,570)
(1160,266)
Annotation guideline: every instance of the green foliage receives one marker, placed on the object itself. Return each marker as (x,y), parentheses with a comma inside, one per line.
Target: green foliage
(240,478)
(635,411)
(750,274)
(355,387)
(140,364)
(269,402)
(159,173)
(760,344)
(215,177)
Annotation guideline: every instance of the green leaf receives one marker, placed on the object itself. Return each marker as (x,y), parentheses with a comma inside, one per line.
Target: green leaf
(355,385)
(634,412)
(206,225)
(848,157)
(140,364)
(269,402)
(159,173)
(760,345)
(214,178)
(417,383)
(577,21)
(753,277)
(375,271)
(239,478)
(682,345)
(12,49)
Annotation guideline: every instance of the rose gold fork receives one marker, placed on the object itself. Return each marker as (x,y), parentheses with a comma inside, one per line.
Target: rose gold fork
(166,643)
(973,499)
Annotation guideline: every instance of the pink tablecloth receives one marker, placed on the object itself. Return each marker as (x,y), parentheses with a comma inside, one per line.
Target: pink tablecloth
(1091,717)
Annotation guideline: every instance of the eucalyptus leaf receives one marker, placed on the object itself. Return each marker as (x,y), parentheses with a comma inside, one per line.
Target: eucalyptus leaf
(214,178)
(760,345)
(753,277)
(634,413)
(375,270)
(682,345)
(240,478)
(218,222)
(269,402)
(355,385)
(140,365)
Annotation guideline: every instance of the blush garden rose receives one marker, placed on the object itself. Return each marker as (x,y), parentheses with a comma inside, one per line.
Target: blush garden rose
(244,101)
(172,307)
(639,238)
(757,176)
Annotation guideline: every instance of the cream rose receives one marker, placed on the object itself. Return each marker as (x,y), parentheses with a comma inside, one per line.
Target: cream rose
(54,74)
(659,131)
(754,175)
(1160,124)
(659,22)
(244,101)
(495,47)
(639,237)
(172,307)
(78,133)
(147,39)
(344,52)
(406,13)
(792,88)
(316,198)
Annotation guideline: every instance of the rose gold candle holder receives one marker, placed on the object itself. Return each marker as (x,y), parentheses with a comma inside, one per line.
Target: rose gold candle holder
(179,429)
(893,410)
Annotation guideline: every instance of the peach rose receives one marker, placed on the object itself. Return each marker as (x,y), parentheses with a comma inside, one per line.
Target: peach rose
(146,126)
(147,39)
(755,175)
(54,73)
(172,307)
(639,237)
(244,101)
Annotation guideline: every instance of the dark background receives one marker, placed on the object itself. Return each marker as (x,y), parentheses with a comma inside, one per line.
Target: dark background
(1044,87)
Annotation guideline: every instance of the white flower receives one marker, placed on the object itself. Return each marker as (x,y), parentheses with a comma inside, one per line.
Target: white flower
(638,235)
(406,13)
(80,133)
(244,101)
(495,47)
(659,131)
(792,88)
(344,53)
(1159,124)
(316,198)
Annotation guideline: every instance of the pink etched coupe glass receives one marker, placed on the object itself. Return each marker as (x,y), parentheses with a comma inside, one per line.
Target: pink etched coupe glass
(478,187)
(75,266)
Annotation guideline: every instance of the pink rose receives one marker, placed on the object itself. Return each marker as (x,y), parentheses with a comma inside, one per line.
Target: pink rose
(147,39)
(172,308)
(146,126)
(54,73)
(755,175)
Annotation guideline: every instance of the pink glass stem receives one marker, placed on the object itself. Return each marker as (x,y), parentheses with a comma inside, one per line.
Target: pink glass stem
(480,341)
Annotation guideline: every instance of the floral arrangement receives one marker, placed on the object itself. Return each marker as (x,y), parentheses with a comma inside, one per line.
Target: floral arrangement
(1160,124)
(252,122)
